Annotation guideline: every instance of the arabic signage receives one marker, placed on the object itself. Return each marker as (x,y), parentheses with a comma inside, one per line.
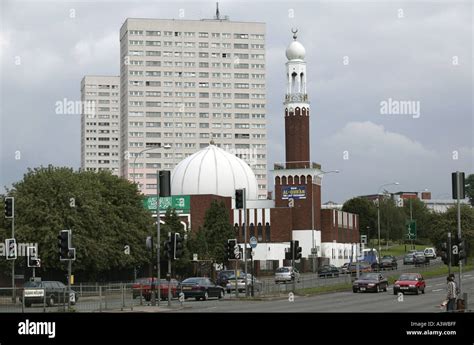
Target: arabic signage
(181,204)
(294,192)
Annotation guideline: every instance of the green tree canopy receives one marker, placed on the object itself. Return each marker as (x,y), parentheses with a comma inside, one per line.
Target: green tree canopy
(470,188)
(367,212)
(104,212)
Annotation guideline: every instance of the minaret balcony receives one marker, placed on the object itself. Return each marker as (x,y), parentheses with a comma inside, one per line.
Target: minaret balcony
(296,97)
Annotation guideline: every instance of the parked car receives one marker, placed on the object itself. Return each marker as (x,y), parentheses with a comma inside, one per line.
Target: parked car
(200,288)
(370,282)
(409,259)
(364,267)
(412,251)
(430,253)
(257,285)
(388,262)
(223,277)
(409,282)
(145,285)
(328,271)
(53,291)
(420,259)
(286,274)
(345,268)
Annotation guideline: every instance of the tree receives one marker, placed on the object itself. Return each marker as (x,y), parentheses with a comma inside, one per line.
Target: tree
(417,209)
(443,223)
(470,188)
(367,212)
(210,241)
(104,212)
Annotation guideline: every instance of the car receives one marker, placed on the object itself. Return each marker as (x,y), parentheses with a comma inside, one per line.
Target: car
(370,282)
(409,282)
(328,271)
(201,288)
(36,292)
(143,287)
(409,259)
(430,253)
(363,267)
(345,268)
(286,274)
(420,259)
(223,277)
(257,285)
(388,262)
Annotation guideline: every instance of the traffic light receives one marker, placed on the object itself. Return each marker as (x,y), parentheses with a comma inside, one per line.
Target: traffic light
(10,244)
(455,181)
(169,249)
(444,253)
(298,249)
(178,246)
(239,198)
(33,260)
(231,243)
(64,244)
(9,207)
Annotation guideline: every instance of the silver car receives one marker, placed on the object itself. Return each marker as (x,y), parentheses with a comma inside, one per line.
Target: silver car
(286,274)
(257,285)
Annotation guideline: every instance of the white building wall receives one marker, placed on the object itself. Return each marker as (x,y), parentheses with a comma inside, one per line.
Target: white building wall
(305,237)
(332,251)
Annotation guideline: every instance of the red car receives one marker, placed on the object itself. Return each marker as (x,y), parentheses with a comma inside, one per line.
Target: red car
(144,284)
(409,282)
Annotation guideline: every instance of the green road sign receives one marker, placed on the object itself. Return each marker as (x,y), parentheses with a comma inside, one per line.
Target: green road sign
(411,229)
(181,204)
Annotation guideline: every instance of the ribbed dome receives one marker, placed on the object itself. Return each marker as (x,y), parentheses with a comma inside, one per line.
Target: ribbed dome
(295,51)
(213,171)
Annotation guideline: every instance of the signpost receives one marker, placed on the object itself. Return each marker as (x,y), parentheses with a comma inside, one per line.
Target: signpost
(182,203)
(253,244)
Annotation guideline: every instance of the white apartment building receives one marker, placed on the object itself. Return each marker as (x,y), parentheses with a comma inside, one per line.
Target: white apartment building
(185,83)
(100,124)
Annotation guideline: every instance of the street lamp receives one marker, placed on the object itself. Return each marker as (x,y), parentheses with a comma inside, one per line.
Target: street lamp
(312,215)
(166,147)
(378,209)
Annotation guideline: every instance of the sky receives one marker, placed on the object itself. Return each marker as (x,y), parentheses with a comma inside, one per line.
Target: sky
(363,59)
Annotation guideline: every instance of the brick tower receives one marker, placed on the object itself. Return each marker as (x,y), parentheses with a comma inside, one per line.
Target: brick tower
(298,180)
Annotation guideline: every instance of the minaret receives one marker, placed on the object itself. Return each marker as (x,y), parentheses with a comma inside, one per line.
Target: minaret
(298,180)
(296,107)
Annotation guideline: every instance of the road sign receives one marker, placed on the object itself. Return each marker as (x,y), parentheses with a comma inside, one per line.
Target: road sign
(195,257)
(411,229)
(363,239)
(253,241)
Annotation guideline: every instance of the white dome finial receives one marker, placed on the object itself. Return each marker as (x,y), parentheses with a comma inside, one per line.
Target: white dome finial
(295,50)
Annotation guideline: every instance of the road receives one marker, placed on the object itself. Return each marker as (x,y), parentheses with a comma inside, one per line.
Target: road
(342,301)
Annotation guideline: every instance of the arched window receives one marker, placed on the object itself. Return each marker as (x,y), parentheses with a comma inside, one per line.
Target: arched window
(303,179)
(252,230)
(260,232)
(297,180)
(297,111)
(267,232)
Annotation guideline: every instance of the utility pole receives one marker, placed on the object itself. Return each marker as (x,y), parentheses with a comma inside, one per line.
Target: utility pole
(245,240)
(458,187)
(169,268)
(158,234)
(13,261)
(293,249)
(450,248)
(69,272)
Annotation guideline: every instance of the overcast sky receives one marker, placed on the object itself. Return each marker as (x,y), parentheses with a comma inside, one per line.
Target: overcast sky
(358,55)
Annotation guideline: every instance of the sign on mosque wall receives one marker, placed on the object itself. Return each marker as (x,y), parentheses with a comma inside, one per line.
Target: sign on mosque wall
(293,192)
(181,203)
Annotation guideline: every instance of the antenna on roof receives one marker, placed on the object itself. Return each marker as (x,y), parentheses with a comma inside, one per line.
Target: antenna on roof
(294,31)
(217,11)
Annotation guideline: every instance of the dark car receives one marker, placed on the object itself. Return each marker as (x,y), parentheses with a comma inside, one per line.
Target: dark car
(200,288)
(388,262)
(409,259)
(328,271)
(223,277)
(363,267)
(420,259)
(143,287)
(409,282)
(37,292)
(370,282)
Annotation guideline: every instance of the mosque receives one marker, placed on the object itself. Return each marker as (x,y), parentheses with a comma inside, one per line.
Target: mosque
(295,211)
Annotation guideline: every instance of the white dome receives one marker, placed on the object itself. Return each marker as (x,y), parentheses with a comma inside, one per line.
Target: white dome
(213,171)
(295,51)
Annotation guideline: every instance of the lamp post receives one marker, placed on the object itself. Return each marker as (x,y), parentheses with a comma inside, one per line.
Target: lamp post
(378,209)
(166,146)
(312,215)
(411,212)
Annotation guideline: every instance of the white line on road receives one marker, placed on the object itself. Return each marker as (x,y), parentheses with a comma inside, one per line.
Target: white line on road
(436,290)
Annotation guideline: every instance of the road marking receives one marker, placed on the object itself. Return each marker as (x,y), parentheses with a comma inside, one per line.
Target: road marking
(468,275)
(439,284)
(436,290)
